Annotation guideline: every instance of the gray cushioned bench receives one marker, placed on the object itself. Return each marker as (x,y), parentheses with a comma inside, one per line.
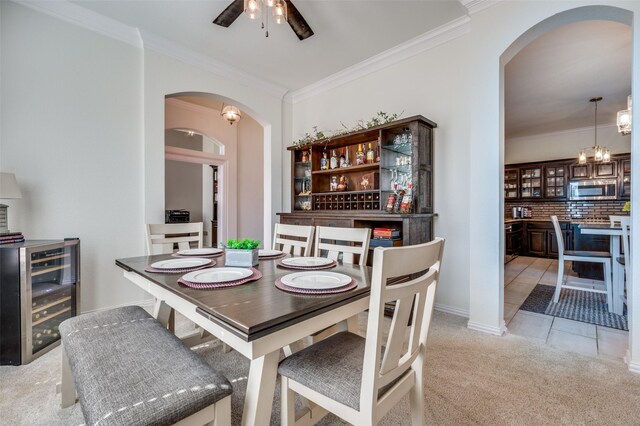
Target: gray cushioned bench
(129,370)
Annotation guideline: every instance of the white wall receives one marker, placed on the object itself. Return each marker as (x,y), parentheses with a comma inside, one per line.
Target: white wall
(250,172)
(458,85)
(71,129)
(561,145)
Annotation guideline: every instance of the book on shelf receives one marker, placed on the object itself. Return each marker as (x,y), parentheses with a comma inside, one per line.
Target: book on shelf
(11,238)
(386,232)
(385,242)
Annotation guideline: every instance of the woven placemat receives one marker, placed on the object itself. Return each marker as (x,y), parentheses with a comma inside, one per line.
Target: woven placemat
(256,275)
(353,284)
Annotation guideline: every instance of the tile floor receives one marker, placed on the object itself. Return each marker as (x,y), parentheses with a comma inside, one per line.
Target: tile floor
(521,275)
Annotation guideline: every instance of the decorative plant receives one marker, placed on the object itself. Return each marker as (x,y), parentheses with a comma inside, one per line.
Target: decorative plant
(627,207)
(380,118)
(243,244)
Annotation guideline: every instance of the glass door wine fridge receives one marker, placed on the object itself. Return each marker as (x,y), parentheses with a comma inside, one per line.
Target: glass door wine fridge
(39,288)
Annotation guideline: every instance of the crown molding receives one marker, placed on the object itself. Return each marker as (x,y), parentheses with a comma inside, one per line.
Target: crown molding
(561,132)
(78,15)
(176,51)
(475,6)
(179,103)
(87,19)
(426,41)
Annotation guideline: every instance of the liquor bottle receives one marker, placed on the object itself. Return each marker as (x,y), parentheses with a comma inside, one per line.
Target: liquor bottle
(343,159)
(370,155)
(333,163)
(347,160)
(324,161)
(359,155)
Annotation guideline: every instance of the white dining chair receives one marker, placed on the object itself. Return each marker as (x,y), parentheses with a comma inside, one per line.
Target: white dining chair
(603,257)
(165,235)
(333,243)
(357,378)
(293,239)
(625,260)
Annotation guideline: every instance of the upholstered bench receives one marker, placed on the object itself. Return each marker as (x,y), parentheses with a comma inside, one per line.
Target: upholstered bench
(129,370)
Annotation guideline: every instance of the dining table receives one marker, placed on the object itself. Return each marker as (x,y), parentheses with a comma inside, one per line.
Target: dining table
(257,319)
(614,231)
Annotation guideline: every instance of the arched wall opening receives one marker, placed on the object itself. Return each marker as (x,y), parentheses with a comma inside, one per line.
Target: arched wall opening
(244,178)
(609,13)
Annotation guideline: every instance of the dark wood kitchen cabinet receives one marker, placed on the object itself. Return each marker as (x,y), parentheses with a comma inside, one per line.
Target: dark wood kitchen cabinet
(513,238)
(625,178)
(540,239)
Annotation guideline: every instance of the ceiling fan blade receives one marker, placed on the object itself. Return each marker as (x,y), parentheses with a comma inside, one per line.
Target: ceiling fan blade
(297,22)
(230,14)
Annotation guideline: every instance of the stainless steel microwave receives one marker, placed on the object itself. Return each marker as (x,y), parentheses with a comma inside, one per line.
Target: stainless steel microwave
(593,189)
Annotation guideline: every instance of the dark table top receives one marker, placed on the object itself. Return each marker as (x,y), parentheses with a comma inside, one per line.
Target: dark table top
(599,226)
(257,308)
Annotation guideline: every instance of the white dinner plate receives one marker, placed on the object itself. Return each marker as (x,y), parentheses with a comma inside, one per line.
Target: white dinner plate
(217,275)
(268,253)
(193,262)
(316,280)
(307,261)
(199,252)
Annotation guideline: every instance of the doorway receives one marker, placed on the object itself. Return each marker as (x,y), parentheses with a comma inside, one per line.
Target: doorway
(537,152)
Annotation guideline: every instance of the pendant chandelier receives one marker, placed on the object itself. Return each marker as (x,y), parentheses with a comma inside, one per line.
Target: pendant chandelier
(276,8)
(601,154)
(624,119)
(230,113)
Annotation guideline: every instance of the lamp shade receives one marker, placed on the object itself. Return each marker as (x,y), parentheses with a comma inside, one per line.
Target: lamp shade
(9,186)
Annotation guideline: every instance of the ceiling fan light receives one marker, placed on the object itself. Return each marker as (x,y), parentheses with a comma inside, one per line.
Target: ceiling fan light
(253,8)
(231,113)
(280,11)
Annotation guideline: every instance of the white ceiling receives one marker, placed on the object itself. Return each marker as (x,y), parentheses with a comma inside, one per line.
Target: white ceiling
(346,32)
(547,85)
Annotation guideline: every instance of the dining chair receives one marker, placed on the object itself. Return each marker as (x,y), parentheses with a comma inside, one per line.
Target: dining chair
(625,260)
(603,257)
(165,235)
(293,239)
(347,243)
(358,378)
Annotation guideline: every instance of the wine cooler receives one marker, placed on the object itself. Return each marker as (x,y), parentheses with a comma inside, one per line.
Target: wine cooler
(39,288)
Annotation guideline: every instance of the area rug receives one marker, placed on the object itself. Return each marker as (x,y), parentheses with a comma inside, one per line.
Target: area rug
(574,305)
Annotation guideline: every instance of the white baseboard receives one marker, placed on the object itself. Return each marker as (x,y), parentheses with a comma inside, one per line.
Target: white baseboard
(634,367)
(451,310)
(143,303)
(496,331)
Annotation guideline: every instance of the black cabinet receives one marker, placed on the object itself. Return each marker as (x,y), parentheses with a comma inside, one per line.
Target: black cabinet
(540,239)
(513,238)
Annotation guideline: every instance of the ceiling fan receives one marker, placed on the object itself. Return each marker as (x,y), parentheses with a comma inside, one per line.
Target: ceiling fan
(294,18)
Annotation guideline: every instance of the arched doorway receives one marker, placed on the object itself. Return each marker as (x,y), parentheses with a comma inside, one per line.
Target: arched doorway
(588,13)
(243,212)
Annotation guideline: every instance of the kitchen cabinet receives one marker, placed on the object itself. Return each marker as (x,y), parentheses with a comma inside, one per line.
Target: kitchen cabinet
(540,239)
(625,179)
(513,238)
(580,171)
(605,170)
(555,181)
(511,183)
(531,182)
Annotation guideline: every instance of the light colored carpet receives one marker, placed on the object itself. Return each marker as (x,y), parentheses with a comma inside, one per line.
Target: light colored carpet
(471,378)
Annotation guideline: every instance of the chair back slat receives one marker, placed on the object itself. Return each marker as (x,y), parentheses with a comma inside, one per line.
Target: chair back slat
(293,239)
(625,224)
(334,242)
(157,236)
(411,318)
(559,236)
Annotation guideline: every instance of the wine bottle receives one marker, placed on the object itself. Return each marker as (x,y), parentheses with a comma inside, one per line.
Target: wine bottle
(333,163)
(359,156)
(324,161)
(370,155)
(343,159)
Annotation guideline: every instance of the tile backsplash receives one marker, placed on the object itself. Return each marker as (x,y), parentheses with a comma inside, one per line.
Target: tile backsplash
(566,210)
